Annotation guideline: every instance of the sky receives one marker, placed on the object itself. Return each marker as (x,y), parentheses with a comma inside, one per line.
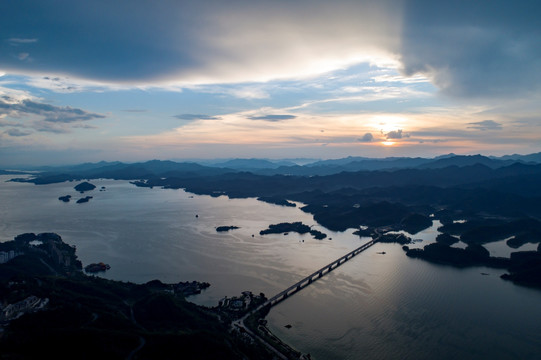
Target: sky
(85,81)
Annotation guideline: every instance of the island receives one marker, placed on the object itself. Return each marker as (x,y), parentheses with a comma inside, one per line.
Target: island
(97,267)
(84,200)
(65,198)
(84,186)
(298,227)
(226,228)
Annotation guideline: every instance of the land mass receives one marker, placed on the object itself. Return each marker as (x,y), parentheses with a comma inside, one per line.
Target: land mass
(84,200)
(226,228)
(56,303)
(84,186)
(65,198)
(298,227)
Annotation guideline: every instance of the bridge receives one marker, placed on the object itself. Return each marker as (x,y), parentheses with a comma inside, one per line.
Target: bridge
(298,286)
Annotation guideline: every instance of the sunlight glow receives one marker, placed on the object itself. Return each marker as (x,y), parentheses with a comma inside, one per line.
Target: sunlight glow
(388,143)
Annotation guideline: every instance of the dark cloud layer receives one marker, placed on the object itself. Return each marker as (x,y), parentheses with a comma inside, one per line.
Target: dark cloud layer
(113,41)
(474,48)
(482,48)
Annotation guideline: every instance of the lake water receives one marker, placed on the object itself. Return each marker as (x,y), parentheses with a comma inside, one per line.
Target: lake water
(376,306)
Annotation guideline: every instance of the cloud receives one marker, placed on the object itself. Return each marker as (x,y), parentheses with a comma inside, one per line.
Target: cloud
(198,42)
(43,117)
(84,126)
(17,132)
(474,49)
(135,110)
(43,126)
(192,117)
(485,125)
(396,134)
(51,113)
(20,41)
(368,137)
(272,117)
(23,56)
(467,49)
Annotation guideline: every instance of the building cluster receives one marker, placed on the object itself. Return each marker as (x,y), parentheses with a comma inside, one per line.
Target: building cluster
(237,303)
(16,310)
(6,256)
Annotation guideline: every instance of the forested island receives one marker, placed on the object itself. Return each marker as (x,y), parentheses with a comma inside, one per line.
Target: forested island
(226,228)
(84,186)
(298,227)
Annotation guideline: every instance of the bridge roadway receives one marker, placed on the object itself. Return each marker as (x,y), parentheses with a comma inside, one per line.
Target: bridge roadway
(298,286)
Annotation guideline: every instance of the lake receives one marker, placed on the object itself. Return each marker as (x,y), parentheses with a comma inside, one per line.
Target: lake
(375,306)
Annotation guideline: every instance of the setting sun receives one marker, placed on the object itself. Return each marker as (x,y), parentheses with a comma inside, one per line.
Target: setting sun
(388,143)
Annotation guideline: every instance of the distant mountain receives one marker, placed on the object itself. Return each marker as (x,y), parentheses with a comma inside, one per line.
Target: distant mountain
(354,164)
(466,160)
(265,167)
(531,158)
(75,168)
(121,171)
(244,164)
(338,162)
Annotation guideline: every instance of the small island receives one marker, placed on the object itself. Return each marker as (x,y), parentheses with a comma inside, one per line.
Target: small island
(97,267)
(65,198)
(84,200)
(298,227)
(84,186)
(226,228)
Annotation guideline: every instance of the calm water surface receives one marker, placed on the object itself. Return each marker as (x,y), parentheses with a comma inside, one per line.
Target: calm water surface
(376,306)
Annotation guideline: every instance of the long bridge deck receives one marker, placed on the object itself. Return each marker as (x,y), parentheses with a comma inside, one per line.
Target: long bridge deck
(298,286)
